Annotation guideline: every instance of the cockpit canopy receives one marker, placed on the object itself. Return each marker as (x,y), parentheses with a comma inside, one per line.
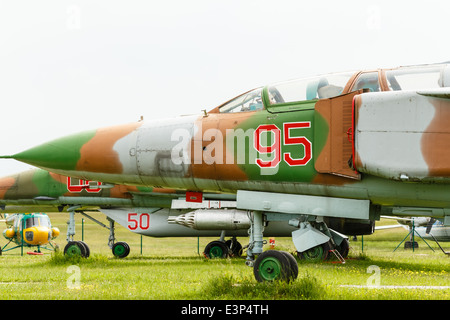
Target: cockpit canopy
(298,91)
(320,87)
(33,220)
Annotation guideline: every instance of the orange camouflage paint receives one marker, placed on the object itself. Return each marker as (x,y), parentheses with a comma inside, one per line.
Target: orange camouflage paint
(436,140)
(5,184)
(211,159)
(98,154)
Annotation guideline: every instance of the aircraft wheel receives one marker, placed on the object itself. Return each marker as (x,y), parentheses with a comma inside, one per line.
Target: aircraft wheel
(235,247)
(293,265)
(344,248)
(316,253)
(75,248)
(272,265)
(88,251)
(216,249)
(120,249)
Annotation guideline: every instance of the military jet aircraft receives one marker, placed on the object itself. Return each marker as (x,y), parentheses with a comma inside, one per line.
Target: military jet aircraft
(345,145)
(29,230)
(142,210)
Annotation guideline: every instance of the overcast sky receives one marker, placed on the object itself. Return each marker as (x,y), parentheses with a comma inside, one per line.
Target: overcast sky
(69,66)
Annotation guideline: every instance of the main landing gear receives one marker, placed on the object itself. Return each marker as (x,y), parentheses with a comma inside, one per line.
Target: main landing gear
(77,248)
(80,248)
(325,251)
(223,249)
(275,265)
(313,240)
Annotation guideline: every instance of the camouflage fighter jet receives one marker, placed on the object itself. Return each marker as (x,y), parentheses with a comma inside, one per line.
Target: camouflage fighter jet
(350,145)
(142,210)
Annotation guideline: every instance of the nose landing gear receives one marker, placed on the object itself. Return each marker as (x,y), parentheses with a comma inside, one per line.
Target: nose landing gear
(80,248)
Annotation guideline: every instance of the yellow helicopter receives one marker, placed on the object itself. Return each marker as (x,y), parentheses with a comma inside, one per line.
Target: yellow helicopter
(29,230)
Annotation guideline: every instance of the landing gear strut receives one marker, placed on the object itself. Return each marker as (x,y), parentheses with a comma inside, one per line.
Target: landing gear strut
(80,248)
(74,248)
(270,265)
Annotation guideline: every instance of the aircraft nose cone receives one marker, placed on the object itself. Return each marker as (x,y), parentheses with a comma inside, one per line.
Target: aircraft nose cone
(90,151)
(62,153)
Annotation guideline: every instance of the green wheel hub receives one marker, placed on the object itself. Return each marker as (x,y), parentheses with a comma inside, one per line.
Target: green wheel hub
(216,249)
(73,250)
(273,265)
(270,269)
(76,248)
(315,253)
(216,252)
(119,250)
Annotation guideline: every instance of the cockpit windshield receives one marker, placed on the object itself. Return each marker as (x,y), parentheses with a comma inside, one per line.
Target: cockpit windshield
(36,221)
(320,87)
(249,101)
(31,222)
(44,221)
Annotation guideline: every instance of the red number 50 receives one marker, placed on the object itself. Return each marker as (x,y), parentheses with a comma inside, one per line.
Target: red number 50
(143,222)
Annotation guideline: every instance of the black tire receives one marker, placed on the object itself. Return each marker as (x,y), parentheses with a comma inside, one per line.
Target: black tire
(235,248)
(120,249)
(216,249)
(272,265)
(344,248)
(293,265)
(86,247)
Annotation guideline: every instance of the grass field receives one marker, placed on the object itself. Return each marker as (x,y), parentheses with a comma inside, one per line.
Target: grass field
(173,269)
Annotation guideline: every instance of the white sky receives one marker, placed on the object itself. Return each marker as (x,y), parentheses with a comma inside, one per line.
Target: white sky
(70,66)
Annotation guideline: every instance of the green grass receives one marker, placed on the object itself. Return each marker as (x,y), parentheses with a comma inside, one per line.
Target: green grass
(173,269)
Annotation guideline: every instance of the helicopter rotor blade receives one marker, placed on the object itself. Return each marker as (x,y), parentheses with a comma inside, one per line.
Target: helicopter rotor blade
(430,225)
